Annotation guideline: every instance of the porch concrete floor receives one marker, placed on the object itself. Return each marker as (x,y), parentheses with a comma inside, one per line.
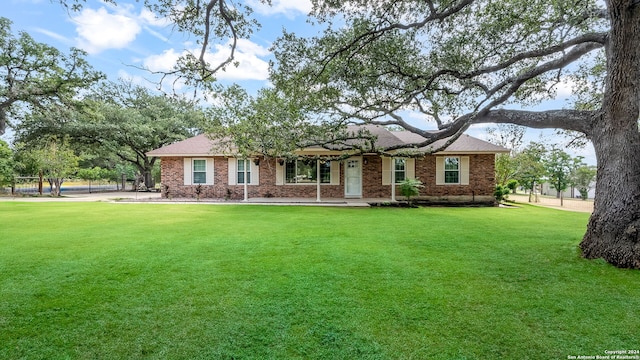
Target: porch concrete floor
(152,197)
(313,202)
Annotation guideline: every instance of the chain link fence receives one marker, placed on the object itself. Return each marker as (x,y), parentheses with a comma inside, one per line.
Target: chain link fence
(30,185)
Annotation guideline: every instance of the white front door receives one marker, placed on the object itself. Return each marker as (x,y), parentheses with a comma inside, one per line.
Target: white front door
(353,178)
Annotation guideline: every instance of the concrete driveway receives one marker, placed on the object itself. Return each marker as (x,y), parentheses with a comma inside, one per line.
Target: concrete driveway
(552,202)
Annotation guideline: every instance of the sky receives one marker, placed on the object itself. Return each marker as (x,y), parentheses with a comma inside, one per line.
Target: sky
(121,40)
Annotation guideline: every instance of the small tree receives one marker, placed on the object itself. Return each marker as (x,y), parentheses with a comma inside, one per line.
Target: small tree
(530,167)
(512,185)
(410,188)
(511,137)
(584,178)
(57,162)
(559,167)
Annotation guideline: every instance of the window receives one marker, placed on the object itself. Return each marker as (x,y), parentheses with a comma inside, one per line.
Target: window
(241,166)
(325,172)
(306,171)
(400,170)
(199,171)
(451,170)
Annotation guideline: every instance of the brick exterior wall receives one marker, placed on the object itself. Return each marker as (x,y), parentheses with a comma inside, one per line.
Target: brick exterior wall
(480,188)
(481,180)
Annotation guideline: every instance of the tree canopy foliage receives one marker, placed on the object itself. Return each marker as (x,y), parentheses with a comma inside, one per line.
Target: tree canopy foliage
(119,119)
(57,161)
(6,164)
(583,179)
(275,125)
(560,166)
(35,76)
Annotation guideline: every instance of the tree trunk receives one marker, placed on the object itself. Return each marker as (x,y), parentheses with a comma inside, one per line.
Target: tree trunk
(148,180)
(56,187)
(146,172)
(613,232)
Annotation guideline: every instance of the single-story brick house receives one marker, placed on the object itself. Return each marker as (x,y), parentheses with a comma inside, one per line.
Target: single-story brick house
(462,172)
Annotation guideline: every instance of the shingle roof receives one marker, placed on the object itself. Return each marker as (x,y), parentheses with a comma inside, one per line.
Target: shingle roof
(202,145)
(196,146)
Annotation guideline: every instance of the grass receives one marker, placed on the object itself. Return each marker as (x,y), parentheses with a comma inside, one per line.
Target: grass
(120,281)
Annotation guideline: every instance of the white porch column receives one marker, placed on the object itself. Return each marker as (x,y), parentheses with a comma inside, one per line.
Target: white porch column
(318,180)
(246,190)
(393,179)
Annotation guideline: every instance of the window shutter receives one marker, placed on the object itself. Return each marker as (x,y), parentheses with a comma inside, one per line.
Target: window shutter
(386,171)
(279,174)
(411,168)
(210,170)
(464,170)
(335,173)
(439,170)
(232,171)
(188,175)
(255,173)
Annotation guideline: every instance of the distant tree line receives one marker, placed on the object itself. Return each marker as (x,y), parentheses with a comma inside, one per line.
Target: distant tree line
(69,121)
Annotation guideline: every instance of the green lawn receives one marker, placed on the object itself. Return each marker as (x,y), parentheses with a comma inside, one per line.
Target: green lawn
(120,281)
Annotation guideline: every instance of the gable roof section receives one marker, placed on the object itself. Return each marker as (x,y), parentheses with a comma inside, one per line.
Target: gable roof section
(202,145)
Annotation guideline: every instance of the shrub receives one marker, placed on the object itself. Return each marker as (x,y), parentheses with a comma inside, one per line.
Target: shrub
(501,192)
(198,191)
(410,188)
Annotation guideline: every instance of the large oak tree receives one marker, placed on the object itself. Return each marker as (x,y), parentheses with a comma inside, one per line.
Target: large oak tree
(463,62)
(35,76)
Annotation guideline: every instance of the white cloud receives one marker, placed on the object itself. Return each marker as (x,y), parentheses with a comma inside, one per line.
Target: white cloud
(564,89)
(135,79)
(289,8)
(156,34)
(162,62)
(150,18)
(53,35)
(248,55)
(248,47)
(114,27)
(99,30)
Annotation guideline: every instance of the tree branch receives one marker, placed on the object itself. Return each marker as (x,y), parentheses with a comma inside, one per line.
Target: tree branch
(515,83)
(206,73)
(373,34)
